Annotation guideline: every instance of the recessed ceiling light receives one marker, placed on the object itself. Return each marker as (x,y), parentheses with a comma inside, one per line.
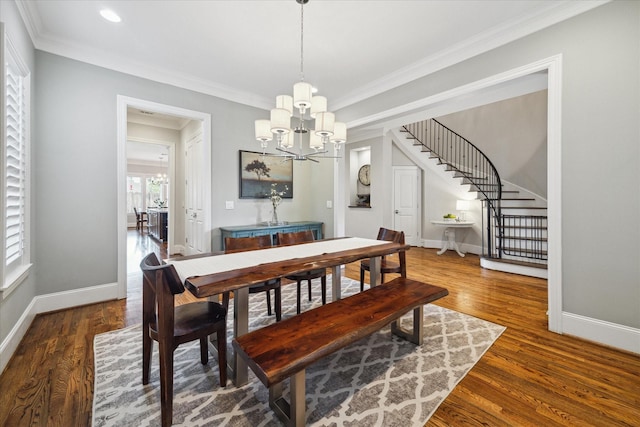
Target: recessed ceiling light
(110,15)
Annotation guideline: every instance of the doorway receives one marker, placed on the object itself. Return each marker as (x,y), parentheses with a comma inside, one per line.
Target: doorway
(406,203)
(198,123)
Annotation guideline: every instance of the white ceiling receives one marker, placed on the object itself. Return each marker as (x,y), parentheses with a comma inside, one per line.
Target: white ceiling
(248,51)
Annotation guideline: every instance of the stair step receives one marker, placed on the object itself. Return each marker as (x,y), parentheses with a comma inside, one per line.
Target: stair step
(514,199)
(516,262)
(523,207)
(460,174)
(524,227)
(521,250)
(528,239)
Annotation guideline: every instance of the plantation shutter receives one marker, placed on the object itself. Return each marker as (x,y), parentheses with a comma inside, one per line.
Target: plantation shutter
(15,163)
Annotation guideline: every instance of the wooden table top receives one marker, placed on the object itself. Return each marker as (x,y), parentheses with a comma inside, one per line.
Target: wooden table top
(216,283)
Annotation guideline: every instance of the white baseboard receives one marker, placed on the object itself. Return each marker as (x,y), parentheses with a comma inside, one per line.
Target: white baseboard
(541,273)
(11,342)
(177,249)
(51,302)
(76,297)
(599,331)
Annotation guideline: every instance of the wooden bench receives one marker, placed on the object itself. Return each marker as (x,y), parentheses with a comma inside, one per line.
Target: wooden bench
(284,349)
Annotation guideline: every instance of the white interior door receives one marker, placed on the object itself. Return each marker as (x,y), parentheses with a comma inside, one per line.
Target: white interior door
(194,197)
(406,202)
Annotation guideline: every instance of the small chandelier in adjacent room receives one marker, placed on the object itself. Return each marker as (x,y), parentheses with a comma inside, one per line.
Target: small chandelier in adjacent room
(326,131)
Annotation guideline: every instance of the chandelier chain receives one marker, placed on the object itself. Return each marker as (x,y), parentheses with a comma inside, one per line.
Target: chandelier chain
(302,41)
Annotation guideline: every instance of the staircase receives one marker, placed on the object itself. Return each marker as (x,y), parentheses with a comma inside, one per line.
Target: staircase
(514,222)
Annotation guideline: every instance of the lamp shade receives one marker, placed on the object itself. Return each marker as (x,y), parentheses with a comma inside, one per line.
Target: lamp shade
(462,205)
(315,140)
(302,95)
(285,102)
(339,133)
(280,121)
(263,130)
(318,105)
(325,123)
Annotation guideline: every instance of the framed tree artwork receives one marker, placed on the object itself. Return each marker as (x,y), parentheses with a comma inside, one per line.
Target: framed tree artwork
(260,173)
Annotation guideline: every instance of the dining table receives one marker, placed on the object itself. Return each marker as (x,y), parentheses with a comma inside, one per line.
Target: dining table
(213,274)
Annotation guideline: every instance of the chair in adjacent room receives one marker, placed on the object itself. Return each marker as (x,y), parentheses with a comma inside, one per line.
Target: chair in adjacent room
(141,219)
(172,325)
(387,266)
(304,237)
(241,244)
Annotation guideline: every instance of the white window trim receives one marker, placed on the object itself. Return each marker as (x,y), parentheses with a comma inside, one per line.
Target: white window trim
(13,278)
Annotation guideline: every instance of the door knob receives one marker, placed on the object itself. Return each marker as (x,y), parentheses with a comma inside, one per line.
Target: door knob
(397,211)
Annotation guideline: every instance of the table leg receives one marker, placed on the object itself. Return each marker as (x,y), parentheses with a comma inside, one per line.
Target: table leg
(240,327)
(449,242)
(374,271)
(336,282)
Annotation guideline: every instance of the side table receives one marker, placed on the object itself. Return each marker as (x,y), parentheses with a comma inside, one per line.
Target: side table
(450,233)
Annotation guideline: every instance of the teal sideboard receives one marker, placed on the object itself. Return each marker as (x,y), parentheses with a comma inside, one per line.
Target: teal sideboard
(272,230)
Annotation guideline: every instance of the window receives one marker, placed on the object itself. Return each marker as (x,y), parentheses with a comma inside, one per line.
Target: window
(16,141)
(134,194)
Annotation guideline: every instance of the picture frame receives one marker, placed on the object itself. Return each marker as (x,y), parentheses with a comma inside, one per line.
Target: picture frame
(258,173)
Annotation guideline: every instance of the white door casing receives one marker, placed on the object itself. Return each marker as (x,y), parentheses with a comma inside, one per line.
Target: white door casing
(406,202)
(123,102)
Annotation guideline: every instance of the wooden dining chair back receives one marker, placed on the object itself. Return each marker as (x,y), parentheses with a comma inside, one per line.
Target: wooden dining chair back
(241,244)
(172,325)
(295,238)
(141,219)
(387,266)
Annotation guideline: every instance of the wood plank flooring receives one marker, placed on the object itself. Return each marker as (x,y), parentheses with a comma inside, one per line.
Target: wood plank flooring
(529,377)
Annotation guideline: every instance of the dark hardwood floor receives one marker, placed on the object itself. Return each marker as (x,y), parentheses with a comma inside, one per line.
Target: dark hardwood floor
(529,377)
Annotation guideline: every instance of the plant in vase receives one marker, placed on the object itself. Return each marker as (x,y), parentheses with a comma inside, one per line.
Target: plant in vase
(276,199)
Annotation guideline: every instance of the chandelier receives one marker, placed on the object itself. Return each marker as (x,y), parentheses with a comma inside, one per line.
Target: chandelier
(326,131)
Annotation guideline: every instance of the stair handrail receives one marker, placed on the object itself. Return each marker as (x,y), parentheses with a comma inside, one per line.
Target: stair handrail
(468,151)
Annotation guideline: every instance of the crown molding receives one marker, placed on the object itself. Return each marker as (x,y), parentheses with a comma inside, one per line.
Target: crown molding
(554,13)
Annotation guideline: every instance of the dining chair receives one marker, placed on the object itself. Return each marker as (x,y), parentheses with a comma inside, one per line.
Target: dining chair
(387,266)
(172,325)
(297,238)
(242,244)
(141,218)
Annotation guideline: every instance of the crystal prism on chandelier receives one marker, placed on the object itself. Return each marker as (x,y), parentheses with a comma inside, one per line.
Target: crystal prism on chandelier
(307,107)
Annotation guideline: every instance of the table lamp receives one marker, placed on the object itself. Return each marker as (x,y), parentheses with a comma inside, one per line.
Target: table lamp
(462,206)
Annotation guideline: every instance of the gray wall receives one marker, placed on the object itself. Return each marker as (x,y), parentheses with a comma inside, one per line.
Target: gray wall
(513,134)
(600,148)
(76,164)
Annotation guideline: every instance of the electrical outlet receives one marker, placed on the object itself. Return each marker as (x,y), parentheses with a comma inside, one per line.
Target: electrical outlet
(228,204)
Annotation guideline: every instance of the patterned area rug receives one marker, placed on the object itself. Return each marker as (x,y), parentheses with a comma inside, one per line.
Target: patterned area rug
(381,380)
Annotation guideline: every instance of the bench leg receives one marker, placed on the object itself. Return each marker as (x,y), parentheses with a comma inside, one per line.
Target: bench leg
(414,336)
(292,414)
